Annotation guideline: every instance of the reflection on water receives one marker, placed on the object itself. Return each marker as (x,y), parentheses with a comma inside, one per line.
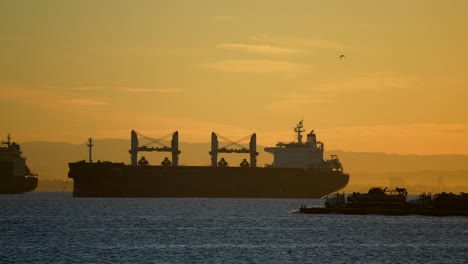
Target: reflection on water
(46,227)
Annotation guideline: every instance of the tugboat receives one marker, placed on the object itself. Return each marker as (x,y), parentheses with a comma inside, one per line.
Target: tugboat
(15,176)
(393,202)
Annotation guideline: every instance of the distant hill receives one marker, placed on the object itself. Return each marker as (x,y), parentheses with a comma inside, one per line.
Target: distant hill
(50,160)
(364,162)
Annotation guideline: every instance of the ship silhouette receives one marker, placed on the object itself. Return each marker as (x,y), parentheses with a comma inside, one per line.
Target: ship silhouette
(15,176)
(298,171)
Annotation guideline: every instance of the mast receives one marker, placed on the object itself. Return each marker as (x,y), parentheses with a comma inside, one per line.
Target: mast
(214,150)
(90,146)
(299,129)
(8,142)
(133,147)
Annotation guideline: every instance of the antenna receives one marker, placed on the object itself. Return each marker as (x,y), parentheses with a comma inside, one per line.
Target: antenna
(299,129)
(90,146)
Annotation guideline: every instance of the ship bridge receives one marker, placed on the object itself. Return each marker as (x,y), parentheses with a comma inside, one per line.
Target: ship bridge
(301,154)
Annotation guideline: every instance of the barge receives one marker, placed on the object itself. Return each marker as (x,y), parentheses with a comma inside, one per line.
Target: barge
(393,202)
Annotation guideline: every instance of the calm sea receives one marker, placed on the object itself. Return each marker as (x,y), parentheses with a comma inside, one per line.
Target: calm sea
(50,228)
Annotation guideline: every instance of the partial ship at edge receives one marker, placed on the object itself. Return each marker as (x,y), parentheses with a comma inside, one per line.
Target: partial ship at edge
(15,176)
(298,171)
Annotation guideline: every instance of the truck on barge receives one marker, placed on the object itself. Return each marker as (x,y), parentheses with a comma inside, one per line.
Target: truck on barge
(15,176)
(298,171)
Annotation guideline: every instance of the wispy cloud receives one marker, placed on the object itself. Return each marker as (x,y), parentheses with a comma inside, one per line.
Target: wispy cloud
(257,66)
(378,81)
(259,49)
(117,88)
(302,43)
(224,18)
(145,51)
(272,46)
(85,102)
(294,102)
(329,90)
(47,99)
(147,90)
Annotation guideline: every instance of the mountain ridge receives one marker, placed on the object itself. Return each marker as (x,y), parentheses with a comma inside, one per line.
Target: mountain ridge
(50,161)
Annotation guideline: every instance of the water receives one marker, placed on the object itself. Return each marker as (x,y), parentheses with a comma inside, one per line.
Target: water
(49,228)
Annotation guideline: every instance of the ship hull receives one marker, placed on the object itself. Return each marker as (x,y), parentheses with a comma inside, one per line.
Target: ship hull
(17,185)
(13,184)
(108,179)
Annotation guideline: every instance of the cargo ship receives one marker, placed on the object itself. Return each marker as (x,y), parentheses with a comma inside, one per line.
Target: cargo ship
(384,201)
(298,171)
(15,176)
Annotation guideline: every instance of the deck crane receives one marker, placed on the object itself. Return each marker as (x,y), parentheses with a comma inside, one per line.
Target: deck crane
(231,148)
(135,148)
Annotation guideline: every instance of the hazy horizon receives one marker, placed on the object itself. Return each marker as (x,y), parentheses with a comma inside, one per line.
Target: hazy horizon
(97,140)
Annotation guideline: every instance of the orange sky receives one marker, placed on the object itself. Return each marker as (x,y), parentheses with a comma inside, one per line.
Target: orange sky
(76,69)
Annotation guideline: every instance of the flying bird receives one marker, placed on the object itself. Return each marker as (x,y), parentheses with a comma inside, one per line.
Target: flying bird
(342,56)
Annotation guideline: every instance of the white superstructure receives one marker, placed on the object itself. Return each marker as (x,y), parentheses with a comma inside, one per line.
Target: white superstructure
(306,155)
